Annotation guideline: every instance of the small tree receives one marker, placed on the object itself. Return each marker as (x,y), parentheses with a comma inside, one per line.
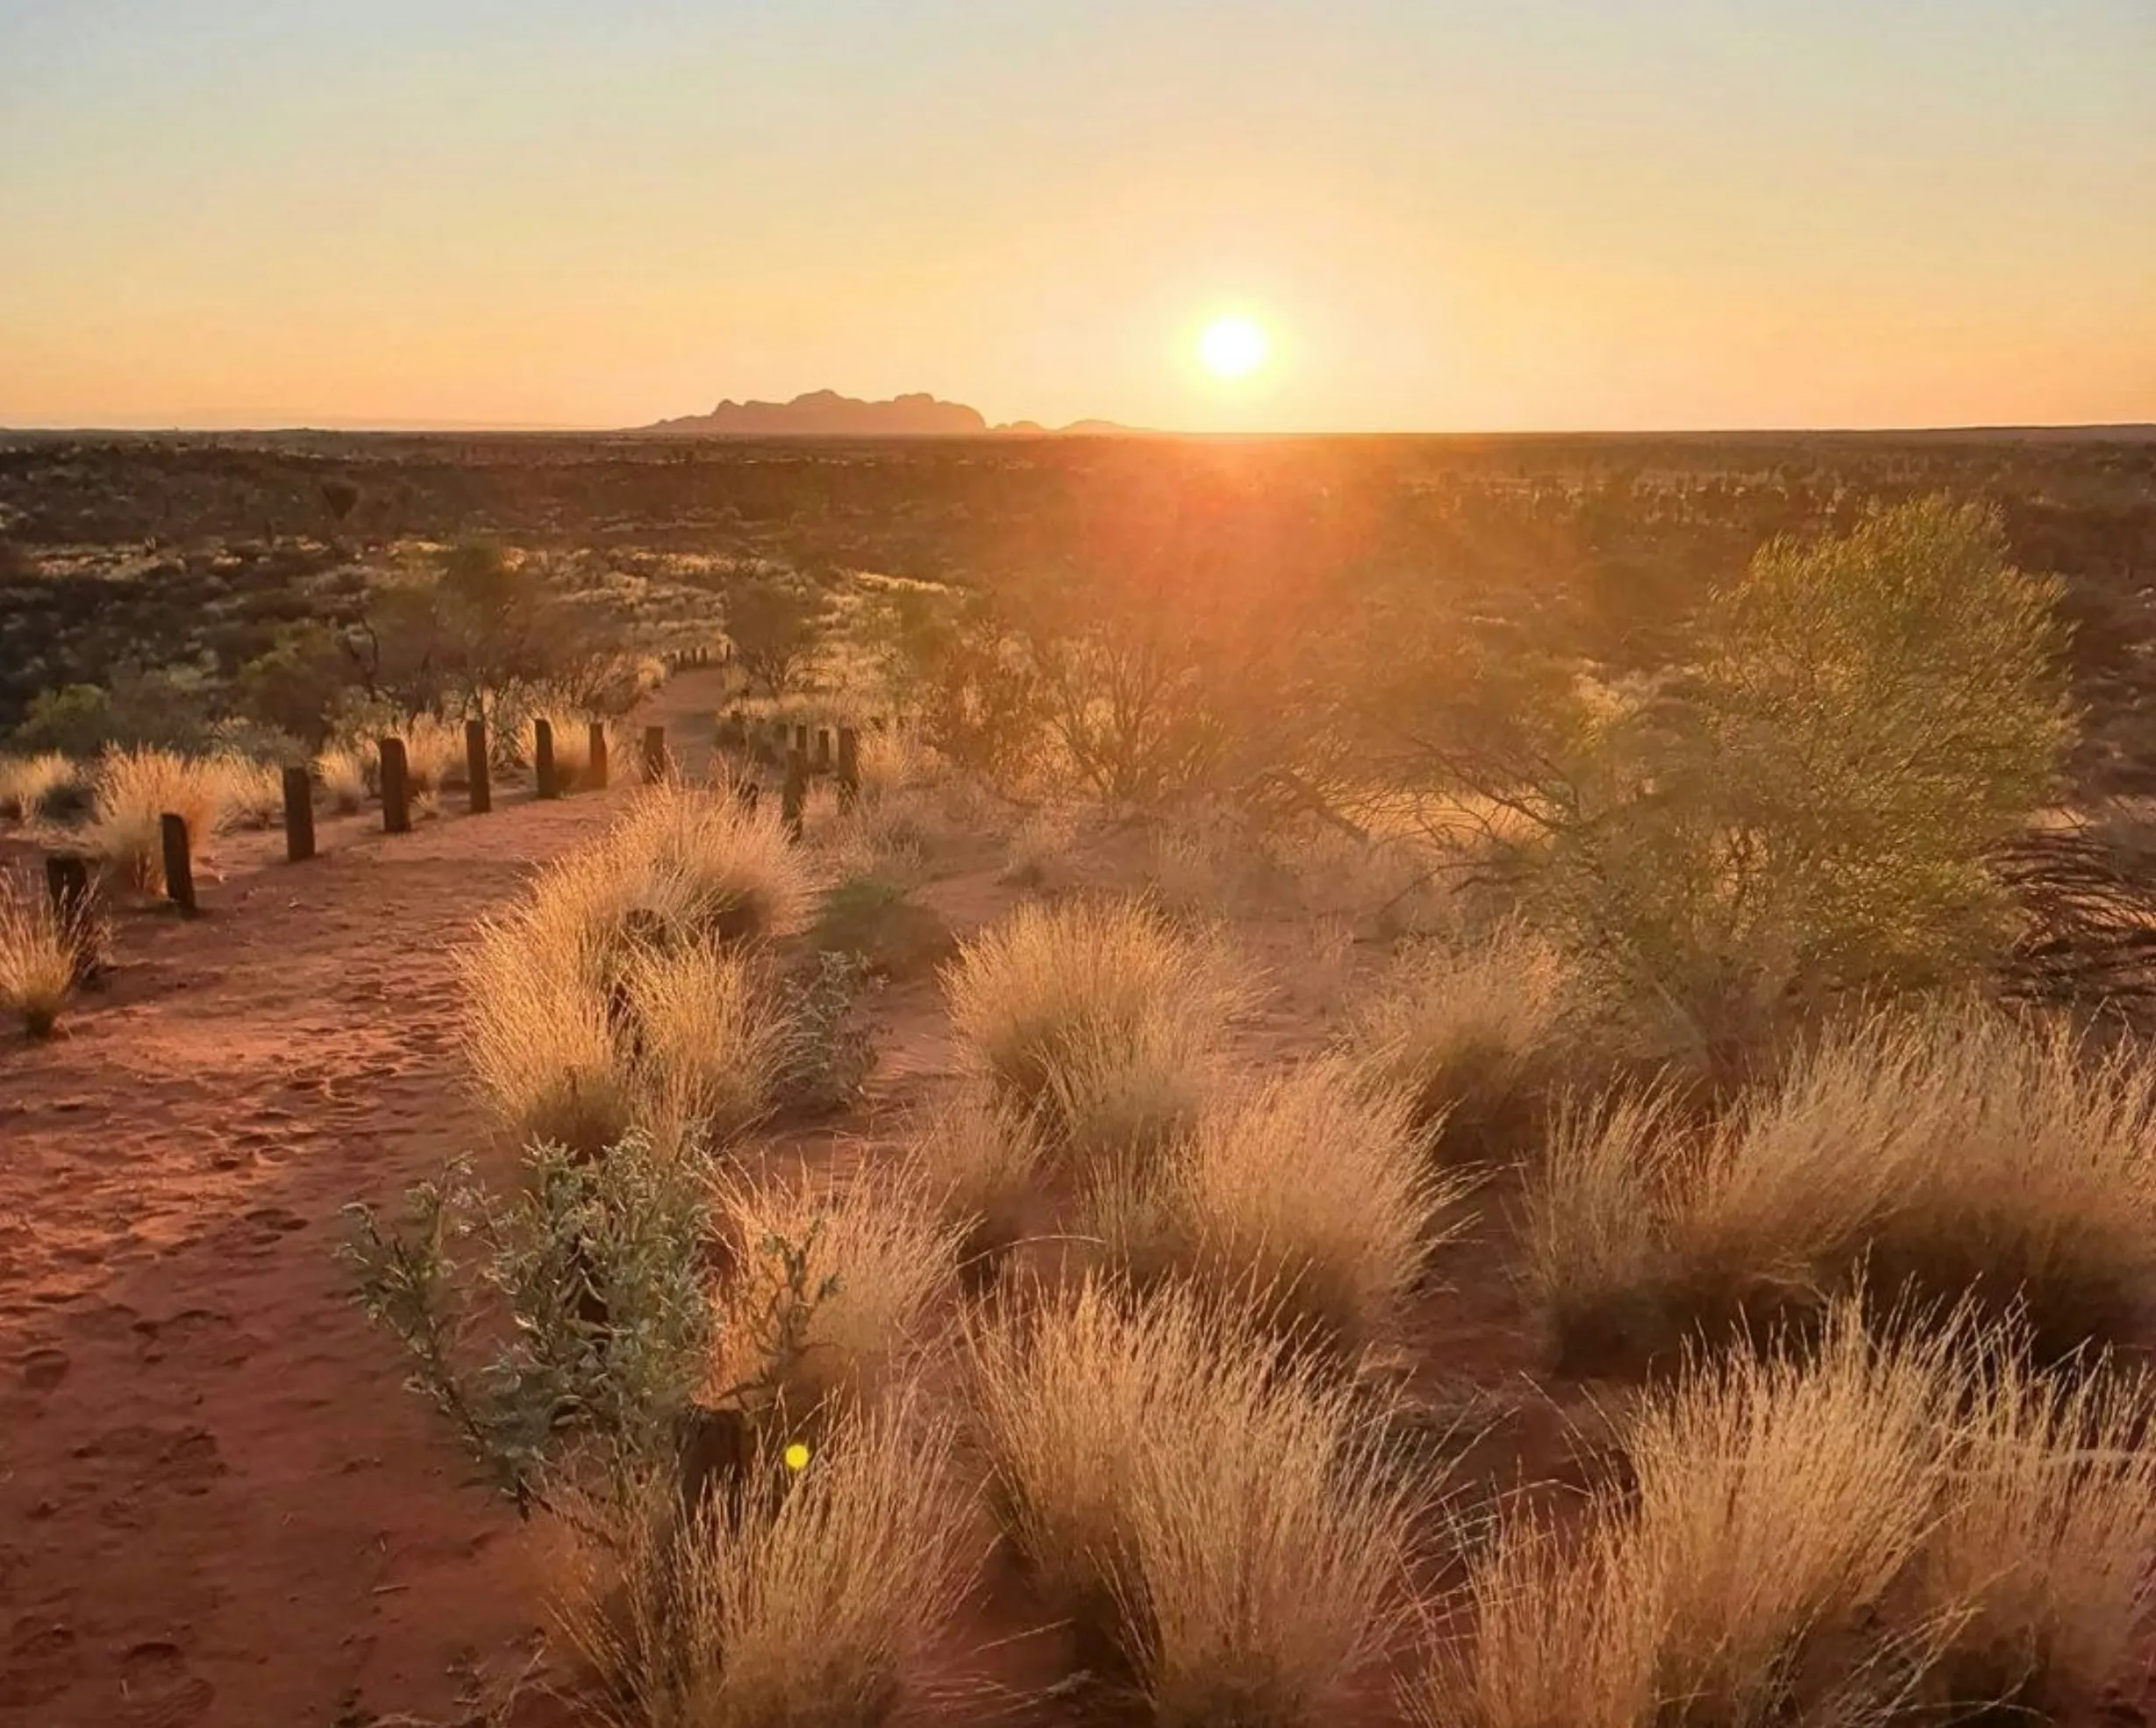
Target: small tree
(774,630)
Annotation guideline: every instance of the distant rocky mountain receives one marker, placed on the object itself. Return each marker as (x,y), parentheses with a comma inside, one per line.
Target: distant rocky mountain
(827,414)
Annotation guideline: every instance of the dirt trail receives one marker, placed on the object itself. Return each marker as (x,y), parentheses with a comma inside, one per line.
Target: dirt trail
(217,1505)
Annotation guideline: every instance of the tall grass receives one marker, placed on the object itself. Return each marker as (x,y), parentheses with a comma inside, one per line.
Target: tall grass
(977,1162)
(38,956)
(1958,1150)
(1470,1032)
(1104,1018)
(133,790)
(536,1033)
(1219,1506)
(808,1602)
(706,1037)
(1306,1195)
(33,786)
(344,776)
(1869,1526)
(696,858)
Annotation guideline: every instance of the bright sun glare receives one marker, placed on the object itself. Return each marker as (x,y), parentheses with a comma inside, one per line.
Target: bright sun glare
(1232,347)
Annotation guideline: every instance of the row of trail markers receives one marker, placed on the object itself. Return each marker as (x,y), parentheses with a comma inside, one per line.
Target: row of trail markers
(800,766)
(67,875)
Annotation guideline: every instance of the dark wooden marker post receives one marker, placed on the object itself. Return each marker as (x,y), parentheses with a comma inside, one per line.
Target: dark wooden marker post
(396,788)
(598,756)
(822,750)
(795,793)
(654,754)
(66,880)
(543,758)
(298,816)
(478,766)
(179,861)
(849,765)
(800,736)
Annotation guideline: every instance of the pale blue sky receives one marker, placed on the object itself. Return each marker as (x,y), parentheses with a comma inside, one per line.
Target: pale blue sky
(1540,213)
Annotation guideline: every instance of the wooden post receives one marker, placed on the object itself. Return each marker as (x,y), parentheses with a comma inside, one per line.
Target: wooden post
(543,758)
(849,765)
(179,861)
(478,766)
(298,816)
(654,754)
(822,750)
(396,788)
(66,880)
(801,738)
(795,793)
(597,775)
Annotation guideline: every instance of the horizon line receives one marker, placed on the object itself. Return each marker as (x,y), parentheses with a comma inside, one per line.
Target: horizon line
(1108,431)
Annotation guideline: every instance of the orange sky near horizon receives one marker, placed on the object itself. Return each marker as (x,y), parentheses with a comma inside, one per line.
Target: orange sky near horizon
(1555,214)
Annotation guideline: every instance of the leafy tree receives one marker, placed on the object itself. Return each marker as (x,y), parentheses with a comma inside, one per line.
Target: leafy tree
(773,627)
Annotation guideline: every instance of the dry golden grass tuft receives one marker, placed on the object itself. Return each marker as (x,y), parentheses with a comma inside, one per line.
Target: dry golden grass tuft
(895,761)
(693,857)
(1470,1032)
(1307,1197)
(133,790)
(1104,1018)
(537,1032)
(1875,1524)
(977,1162)
(254,792)
(2044,1560)
(804,1601)
(37,956)
(864,1307)
(1215,1505)
(1959,1150)
(434,756)
(572,744)
(342,774)
(33,786)
(706,1038)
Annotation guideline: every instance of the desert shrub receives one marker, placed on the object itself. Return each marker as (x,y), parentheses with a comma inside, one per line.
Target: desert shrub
(40,785)
(827,1054)
(772,628)
(1039,848)
(845,1315)
(895,936)
(803,1603)
(1104,1017)
(1470,1033)
(1958,1150)
(1220,1509)
(977,1162)
(562,1327)
(1778,1501)
(434,753)
(1306,1196)
(134,789)
(40,957)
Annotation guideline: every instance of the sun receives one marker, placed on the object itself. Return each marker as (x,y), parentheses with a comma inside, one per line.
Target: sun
(1233,347)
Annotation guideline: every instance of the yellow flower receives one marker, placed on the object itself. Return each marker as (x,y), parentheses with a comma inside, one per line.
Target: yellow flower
(796,1456)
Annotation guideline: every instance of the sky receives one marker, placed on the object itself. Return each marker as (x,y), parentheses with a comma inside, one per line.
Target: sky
(1507,215)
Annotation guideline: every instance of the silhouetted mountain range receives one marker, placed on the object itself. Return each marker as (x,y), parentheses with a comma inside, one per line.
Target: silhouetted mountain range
(827,414)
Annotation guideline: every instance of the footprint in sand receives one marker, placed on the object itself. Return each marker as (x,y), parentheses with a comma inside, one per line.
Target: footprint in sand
(44,1370)
(158,1688)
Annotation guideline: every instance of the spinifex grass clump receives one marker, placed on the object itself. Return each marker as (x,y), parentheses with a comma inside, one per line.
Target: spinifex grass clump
(1470,1034)
(802,1599)
(1961,1150)
(1870,1525)
(1306,1195)
(1215,1507)
(42,955)
(1105,1019)
(135,790)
